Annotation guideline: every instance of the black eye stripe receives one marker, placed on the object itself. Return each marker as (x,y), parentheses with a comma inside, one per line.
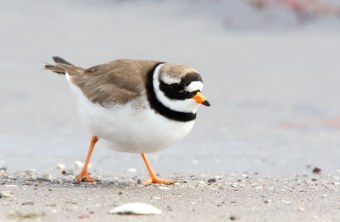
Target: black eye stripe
(177,86)
(174,94)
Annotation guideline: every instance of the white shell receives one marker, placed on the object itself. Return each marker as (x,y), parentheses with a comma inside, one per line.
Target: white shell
(136,209)
(164,188)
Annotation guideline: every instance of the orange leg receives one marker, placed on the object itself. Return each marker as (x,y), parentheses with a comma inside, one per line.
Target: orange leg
(153,176)
(83,175)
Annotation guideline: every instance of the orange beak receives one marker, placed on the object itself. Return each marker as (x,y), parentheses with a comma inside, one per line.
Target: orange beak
(199,98)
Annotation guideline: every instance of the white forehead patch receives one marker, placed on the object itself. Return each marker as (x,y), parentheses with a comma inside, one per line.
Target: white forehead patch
(195,85)
(169,80)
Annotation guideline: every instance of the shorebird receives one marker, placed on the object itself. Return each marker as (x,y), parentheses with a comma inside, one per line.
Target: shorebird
(136,106)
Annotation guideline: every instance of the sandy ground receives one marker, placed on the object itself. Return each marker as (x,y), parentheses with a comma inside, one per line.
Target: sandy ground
(275,114)
(234,197)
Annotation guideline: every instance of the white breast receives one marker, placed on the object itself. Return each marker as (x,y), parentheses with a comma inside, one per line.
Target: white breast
(133,127)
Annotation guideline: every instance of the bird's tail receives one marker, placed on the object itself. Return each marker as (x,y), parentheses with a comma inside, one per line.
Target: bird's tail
(62,66)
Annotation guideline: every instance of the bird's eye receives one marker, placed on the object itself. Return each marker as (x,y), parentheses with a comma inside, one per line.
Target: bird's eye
(177,86)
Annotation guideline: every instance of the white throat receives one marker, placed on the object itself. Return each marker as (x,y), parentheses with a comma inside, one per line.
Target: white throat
(187,105)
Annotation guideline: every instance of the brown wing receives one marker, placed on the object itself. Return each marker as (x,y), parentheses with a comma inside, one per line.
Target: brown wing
(118,81)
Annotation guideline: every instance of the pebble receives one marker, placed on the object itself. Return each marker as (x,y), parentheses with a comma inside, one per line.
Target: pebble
(27,203)
(135,209)
(301,209)
(78,164)
(212,180)
(201,182)
(5,194)
(286,201)
(232,217)
(244,175)
(61,166)
(67,172)
(316,170)
(164,188)
(84,215)
(11,185)
(132,170)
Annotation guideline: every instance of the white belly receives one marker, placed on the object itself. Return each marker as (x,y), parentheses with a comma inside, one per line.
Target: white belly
(127,129)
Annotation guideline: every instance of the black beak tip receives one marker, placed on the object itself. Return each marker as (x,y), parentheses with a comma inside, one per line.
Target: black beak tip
(206,103)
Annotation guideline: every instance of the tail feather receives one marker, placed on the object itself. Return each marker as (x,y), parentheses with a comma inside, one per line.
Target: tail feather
(60,60)
(54,68)
(62,66)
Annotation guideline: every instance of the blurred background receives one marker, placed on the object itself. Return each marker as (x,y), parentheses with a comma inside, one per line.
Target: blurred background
(271,71)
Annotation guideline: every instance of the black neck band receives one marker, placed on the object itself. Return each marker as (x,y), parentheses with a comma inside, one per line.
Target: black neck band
(158,107)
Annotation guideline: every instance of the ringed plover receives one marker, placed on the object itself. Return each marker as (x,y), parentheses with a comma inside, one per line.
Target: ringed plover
(136,106)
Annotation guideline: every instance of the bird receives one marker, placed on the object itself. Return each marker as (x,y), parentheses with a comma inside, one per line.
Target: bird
(134,106)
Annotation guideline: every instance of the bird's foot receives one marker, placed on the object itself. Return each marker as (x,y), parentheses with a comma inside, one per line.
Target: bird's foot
(84,176)
(159,181)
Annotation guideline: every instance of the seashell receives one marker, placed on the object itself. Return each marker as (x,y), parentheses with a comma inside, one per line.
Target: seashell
(135,209)
(164,188)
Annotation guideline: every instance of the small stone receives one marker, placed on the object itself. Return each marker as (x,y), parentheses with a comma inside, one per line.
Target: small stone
(5,194)
(244,175)
(27,203)
(193,177)
(67,172)
(233,218)
(164,188)
(212,180)
(78,164)
(316,170)
(201,182)
(61,166)
(286,201)
(120,192)
(84,215)
(139,181)
(301,209)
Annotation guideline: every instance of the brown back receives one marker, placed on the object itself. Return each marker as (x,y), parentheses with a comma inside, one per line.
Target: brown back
(118,81)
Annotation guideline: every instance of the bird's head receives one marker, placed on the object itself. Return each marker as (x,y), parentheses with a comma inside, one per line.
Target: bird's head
(179,87)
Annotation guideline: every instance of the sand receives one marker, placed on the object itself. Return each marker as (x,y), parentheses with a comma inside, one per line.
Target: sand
(239,197)
(275,116)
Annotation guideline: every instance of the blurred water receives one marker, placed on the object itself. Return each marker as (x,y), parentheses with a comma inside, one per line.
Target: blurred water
(273,92)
